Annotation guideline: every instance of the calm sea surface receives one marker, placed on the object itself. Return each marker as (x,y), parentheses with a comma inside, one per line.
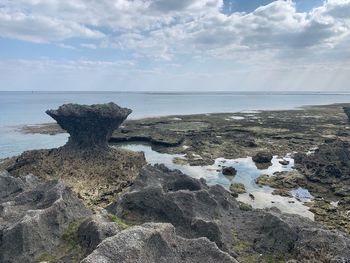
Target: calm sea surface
(18,108)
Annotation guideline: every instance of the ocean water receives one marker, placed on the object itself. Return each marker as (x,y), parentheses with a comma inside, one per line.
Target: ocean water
(18,108)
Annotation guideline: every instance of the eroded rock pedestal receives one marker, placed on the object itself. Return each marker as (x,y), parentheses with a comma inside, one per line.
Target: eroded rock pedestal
(87,164)
(89,127)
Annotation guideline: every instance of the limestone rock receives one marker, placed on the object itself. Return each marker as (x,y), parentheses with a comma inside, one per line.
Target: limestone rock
(94,230)
(197,210)
(156,242)
(229,171)
(262,157)
(34,216)
(237,188)
(329,166)
(89,126)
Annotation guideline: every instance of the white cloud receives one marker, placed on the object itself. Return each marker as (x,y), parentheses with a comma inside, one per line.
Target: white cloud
(273,36)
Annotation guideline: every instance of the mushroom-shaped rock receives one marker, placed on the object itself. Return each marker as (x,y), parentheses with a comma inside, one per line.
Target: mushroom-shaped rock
(347,112)
(89,126)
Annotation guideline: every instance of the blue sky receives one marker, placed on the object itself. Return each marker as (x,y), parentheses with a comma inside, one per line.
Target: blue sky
(165,45)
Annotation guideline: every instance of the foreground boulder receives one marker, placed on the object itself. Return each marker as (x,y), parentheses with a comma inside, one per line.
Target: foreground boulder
(34,216)
(156,243)
(196,210)
(93,230)
(89,127)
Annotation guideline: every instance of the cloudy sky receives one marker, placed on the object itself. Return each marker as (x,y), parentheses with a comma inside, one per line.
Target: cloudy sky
(173,45)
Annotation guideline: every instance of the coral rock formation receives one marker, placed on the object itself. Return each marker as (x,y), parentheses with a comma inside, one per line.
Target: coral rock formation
(89,126)
(156,242)
(87,164)
(34,216)
(197,210)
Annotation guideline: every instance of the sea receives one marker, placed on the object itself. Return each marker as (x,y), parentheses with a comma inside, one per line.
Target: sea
(28,108)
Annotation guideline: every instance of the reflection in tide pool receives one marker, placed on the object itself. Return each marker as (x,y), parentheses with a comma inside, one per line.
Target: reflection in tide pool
(247,172)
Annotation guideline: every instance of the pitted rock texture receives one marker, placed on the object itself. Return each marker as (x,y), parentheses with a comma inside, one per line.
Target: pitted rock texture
(156,242)
(96,176)
(197,210)
(262,157)
(329,165)
(34,216)
(93,230)
(89,126)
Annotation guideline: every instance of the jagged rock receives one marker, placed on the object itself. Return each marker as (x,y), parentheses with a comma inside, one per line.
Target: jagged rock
(156,243)
(347,112)
(329,166)
(161,195)
(283,162)
(196,210)
(307,239)
(237,188)
(282,192)
(94,230)
(282,180)
(89,126)
(34,216)
(262,157)
(229,171)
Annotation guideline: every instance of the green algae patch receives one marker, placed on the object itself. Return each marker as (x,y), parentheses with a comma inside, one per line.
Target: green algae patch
(120,222)
(69,251)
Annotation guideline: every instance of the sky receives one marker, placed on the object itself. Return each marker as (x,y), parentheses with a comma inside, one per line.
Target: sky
(175,45)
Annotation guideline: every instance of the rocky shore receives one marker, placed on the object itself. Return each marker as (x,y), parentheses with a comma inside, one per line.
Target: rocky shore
(87,202)
(87,164)
(165,217)
(205,137)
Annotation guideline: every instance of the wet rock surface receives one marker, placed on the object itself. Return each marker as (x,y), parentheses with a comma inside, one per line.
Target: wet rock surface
(325,174)
(89,126)
(196,210)
(156,242)
(237,188)
(229,171)
(262,157)
(34,216)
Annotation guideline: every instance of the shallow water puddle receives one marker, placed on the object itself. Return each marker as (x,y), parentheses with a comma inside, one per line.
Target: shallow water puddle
(247,172)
